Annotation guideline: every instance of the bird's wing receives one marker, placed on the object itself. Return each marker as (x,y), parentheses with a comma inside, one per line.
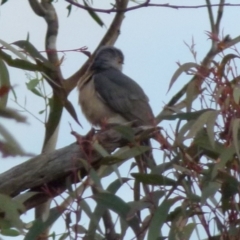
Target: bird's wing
(124,96)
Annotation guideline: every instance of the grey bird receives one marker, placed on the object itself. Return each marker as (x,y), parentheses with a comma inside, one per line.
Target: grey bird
(107,96)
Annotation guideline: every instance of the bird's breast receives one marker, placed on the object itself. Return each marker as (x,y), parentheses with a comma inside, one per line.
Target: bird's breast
(95,109)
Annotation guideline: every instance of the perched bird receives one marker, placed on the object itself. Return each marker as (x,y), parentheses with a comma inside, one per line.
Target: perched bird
(107,96)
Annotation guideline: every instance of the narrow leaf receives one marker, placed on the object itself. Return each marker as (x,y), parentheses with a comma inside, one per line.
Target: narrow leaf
(39,226)
(154,179)
(93,14)
(4,83)
(116,204)
(183,68)
(235,132)
(30,49)
(159,218)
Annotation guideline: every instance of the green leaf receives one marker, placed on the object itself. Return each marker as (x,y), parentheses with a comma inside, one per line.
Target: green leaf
(199,123)
(125,153)
(93,14)
(39,226)
(116,204)
(4,83)
(188,230)
(236,95)
(79,229)
(31,85)
(10,146)
(209,189)
(154,179)
(29,48)
(159,218)
(13,50)
(19,63)
(10,232)
(11,114)
(69,8)
(69,107)
(183,68)
(3,1)
(210,127)
(100,149)
(235,132)
(186,116)
(99,209)
(53,119)
(225,60)
(115,185)
(229,187)
(11,210)
(126,131)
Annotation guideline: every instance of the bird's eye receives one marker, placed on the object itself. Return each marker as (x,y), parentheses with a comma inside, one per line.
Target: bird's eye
(120,61)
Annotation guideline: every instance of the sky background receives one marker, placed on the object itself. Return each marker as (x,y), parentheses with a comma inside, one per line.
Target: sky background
(152,40)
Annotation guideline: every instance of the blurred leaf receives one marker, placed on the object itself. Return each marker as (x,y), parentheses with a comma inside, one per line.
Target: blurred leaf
(229,187)
(235,133)
(116,204)
(11,114)
(199,123)
(126,131)
(115,185)
(93,14)
(39,226)
(4,84)
(225,60)
(95,178)
(209,189)
(53,119)
(29,48)
(124,153)
(159,218)
(99,209)
(79,229)
(210,127)
(13,50)
(3,1)
(154,179)
(31,85)
(69,107)
(236,95)
(10,147)
(64,236)
(186,116)
(190,95)
(11,210)
(19,63)
(10,232)
(183,68)
(85,207)
(99,148)
(69,8)
(188,230)
(23,197)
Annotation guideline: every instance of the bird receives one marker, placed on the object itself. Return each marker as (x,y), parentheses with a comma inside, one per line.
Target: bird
(108,96)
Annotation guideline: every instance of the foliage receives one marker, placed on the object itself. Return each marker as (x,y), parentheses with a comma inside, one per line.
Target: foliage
(195,183)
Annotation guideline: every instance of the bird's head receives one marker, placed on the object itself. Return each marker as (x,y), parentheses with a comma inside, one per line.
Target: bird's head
(108,57)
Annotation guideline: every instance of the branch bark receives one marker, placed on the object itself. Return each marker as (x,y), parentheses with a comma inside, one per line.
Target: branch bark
(50,170)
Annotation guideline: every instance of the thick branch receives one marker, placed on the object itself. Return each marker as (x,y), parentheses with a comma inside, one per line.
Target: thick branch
(52,169)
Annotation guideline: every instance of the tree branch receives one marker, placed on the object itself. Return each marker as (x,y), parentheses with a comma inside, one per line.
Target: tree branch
(50,170)
(147,4)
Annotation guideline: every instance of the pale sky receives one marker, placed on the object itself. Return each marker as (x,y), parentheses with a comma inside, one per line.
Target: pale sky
(152,40)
